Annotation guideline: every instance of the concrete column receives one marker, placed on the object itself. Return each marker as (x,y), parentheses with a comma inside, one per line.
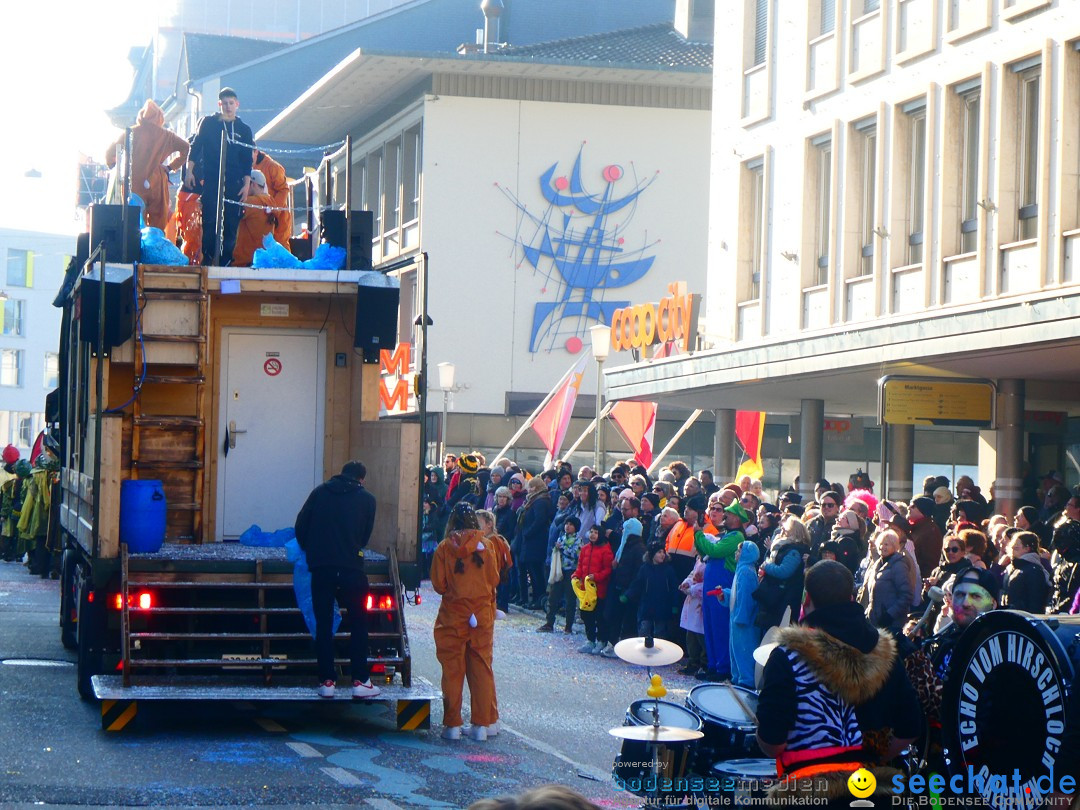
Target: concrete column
(724,446)
(811,444)
(901,462)
(1010,446)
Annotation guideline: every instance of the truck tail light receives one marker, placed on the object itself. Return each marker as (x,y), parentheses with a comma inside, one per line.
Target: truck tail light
(143,600)
(380,602)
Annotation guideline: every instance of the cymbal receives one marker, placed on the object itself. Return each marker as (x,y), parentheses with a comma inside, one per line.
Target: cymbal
(655,734)
(661,653)
(762,653)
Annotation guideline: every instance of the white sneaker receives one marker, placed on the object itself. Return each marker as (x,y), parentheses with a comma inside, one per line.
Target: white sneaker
(608,651)
(451,733)
(493,729)
(477,733)
(326,689)
(587,647)
(500,614)
(364,690)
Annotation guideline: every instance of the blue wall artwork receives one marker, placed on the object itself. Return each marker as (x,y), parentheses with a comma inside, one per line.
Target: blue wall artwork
(579,246)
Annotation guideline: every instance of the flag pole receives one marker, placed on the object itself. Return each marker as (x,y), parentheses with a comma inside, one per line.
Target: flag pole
(678,435)
(540,407)
(589,429)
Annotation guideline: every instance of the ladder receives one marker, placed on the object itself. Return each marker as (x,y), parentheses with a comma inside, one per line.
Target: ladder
(168,436)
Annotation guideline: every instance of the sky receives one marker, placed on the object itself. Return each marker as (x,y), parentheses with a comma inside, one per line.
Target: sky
(63,63)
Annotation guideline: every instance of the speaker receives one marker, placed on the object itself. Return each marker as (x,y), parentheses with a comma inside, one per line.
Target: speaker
(332,230)
(107,225)
(119,306)
(376,320)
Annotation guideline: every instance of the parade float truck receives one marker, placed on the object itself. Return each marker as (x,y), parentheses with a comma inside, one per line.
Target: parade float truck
(213,400)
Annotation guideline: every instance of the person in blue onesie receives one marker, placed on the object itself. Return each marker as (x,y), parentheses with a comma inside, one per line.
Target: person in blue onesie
(745,634)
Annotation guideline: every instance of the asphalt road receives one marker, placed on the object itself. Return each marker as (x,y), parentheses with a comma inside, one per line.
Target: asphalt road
(556,707)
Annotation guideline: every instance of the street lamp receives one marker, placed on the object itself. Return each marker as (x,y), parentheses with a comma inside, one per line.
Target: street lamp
(600,335)
(446,383)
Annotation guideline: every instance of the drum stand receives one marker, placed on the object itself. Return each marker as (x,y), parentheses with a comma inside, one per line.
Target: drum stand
(649,652)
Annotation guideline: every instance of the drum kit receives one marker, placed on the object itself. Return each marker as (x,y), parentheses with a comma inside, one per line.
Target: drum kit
(674,755)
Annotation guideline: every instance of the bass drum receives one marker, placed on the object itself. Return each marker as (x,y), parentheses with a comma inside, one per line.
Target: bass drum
(1006,693)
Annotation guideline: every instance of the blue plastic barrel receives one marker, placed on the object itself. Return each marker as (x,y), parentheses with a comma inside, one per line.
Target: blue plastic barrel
(142,515)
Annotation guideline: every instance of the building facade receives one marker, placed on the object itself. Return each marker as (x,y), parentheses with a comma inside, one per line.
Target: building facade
(546,193)
(34,266)
(894,190)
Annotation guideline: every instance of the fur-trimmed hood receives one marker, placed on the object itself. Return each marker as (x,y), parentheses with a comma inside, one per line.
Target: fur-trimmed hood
(842,654)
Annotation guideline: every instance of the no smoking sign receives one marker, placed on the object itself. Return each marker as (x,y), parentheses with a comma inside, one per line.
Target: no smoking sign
(272,367)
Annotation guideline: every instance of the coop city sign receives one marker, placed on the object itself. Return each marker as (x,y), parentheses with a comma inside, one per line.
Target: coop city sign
(670,319)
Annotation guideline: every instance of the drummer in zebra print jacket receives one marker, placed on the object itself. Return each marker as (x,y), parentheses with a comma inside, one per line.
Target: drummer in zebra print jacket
(835,696)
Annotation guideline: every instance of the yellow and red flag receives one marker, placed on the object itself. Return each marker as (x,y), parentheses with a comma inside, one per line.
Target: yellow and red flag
(553,419)
(636,421)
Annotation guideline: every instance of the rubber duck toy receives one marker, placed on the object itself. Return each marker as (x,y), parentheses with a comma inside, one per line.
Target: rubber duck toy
(656,687)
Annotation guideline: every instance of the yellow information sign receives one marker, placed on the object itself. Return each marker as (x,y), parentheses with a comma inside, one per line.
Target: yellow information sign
(936,401)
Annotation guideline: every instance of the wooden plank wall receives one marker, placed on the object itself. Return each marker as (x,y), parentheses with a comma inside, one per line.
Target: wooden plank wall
(390,450)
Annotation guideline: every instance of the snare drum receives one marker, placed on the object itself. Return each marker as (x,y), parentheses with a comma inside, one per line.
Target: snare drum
(1006,694)
(730,732)
(740,780)
(632,769)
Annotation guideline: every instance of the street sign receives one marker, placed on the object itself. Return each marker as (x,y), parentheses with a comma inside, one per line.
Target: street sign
(941,401)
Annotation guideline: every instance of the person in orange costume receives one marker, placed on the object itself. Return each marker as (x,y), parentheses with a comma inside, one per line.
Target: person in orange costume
(255,223)
(189,224)
(277,186)
(465,572)
(151,146)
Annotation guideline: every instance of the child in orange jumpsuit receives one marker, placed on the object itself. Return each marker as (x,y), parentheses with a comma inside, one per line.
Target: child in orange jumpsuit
(465,572)
(255,223)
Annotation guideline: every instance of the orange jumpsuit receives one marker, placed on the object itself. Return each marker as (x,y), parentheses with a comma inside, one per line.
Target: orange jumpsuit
(189,224)
(465,652)
(277,186)
(151,145)
(255,223)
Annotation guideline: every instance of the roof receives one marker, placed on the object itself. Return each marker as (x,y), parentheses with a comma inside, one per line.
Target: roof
(658,44)
(367,81)
(208,54)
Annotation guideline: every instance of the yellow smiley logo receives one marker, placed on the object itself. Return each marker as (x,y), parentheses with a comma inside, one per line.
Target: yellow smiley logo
(862,783)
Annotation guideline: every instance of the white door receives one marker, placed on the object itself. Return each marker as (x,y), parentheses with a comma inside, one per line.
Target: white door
(271,424)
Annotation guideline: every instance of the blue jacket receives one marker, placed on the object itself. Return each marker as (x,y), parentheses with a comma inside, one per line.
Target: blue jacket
(533,522)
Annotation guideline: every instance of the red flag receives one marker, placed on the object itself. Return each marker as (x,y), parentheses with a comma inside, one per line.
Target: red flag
(749,428)
(551,422)
(636,421)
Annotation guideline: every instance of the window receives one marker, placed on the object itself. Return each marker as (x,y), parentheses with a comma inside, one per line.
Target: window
(373,188)
(761,30)
(392,184)
(20,268)
(969,170)
(823,156)
(52,370)
(828,16)
(26,429)
(870,5)
(1028,153)
(757,208)
(916,186)
(410,176)
(11,362)
(867,137)
(13,319)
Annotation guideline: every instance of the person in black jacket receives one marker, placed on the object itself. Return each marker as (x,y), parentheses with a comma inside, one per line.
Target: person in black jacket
(1027,583)
(333,528)
(204,162)
(654,587)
